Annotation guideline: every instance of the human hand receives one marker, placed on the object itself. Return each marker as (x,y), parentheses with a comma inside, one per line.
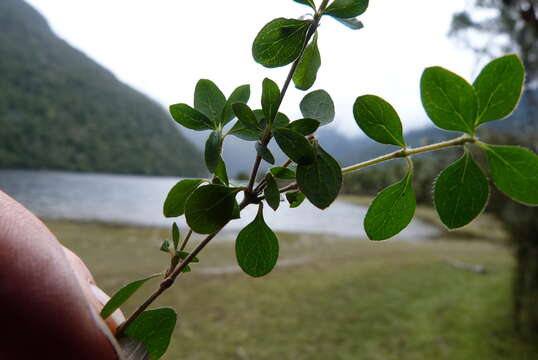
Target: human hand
(48,298)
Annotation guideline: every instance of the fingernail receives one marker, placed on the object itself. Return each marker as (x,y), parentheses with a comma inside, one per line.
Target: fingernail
(99,294)
(117,316)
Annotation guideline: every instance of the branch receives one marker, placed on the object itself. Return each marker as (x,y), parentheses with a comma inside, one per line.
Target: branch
(267,138)
(409,152)
(249,199)
(404,153)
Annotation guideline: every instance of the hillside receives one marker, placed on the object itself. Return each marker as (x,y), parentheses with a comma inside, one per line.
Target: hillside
(61,110)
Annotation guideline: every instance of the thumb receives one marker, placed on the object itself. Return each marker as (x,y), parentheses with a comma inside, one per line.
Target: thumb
(45,312)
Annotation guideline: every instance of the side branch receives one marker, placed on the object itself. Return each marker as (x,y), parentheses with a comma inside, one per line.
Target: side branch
(404,153)
(409,152)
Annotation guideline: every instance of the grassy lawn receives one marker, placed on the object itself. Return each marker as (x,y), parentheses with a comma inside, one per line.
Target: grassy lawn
(330,298)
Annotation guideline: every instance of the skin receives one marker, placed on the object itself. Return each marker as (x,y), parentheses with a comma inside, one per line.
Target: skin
(49,302)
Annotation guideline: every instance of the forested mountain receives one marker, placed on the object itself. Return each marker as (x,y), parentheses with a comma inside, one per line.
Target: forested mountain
(61,110)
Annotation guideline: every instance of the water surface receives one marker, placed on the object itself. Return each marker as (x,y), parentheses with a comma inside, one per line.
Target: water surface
(138,200)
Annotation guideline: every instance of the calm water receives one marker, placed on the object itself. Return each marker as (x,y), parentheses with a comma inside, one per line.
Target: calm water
(138,200)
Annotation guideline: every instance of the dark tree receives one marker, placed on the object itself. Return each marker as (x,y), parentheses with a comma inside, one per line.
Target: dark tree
(492,27)
(504,26)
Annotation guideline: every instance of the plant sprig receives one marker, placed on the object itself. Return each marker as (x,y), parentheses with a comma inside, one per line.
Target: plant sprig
(461,190)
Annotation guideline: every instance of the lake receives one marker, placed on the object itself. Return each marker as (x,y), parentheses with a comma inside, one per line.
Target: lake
(137,200)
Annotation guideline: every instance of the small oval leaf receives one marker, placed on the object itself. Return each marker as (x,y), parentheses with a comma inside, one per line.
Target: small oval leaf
(190,118)
(154,329)
(239,130)
(352,23)
(122,295)
(307,71)
(346,8)
(304,126)
(283,173)
(294,145)
(321,180)
(213,149)
(270,99)
(271,192)
(174,205)
(210,207)
(318,105)
(391,211)
(280,42)
(449,100)
(378,119)
(221,173)
(461,193)
(295,198)
(209,100)
(499,87)
(264,152)
(309,3)
(239,95)
(175,235)
(256,247)
(246,116)
(514,170)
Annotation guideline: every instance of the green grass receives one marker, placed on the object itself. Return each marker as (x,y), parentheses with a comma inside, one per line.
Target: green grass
(331,298)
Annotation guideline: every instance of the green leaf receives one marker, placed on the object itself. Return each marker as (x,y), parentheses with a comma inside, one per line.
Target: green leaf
(183,255)
(307,71)
(281,120)
(304,126)
(307,3)
(190,118)
(499,87)
(246,116)
(449,100)
(391,211)
(378,119)
(321,180)
(264,152)
(270,99)
(174,205)
(239,130)
(280,42)
(154,328)
(256,247)
(271,192)
(294,145)
(209,100)
(239,95)
(236,214)
(213,149)
(120,297)
(186,269)
(221,173)
(175,235)
(346,8)
(461,193)
(283,173)
(515,172)
(210,207)
(295,198)
(318,105)
(165,246)
(352,23)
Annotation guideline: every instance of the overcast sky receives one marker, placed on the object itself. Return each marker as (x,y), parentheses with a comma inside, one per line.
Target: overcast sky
(162,47)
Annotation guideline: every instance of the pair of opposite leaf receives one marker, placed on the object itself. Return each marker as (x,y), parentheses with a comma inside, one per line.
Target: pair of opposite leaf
(281,41)
(462,190)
